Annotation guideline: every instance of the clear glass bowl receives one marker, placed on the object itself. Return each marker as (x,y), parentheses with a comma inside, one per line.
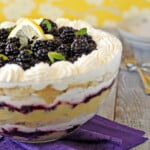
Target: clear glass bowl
(135,40)
(46,111)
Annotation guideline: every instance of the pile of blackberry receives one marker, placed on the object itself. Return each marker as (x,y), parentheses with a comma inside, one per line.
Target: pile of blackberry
(68,42)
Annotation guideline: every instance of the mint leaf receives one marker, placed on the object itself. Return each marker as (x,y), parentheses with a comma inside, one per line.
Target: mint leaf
(30,52)
(82,31)
(4,57)
(48,24)
(55,56)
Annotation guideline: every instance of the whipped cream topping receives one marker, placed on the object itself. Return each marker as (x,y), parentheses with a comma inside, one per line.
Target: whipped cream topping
(11,73)
(108,49)
(39,72)
(87,63)
(56,71)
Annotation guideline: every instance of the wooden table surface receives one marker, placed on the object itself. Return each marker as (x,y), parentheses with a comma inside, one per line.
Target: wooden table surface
(127,103)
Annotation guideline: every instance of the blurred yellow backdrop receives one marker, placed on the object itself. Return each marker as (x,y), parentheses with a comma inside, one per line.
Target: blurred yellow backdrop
(96,12)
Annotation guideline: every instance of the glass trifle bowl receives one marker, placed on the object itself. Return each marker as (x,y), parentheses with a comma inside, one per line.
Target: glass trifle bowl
(45,102)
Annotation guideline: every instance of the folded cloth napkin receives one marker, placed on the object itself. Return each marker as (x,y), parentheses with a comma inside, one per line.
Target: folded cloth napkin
(97,134)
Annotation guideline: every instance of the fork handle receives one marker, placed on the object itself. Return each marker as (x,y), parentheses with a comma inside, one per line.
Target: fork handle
(145,79)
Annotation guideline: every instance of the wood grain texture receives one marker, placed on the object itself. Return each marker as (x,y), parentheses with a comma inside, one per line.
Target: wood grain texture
(132,105)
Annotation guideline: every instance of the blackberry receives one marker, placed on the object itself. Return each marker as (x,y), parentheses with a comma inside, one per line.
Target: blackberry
(14,41)
(64,49)
(1,62)
(91,42)
(52,45)
(53,30)
(2,47)
(3,35)
(12,48)
(25,59)
(79,46)
(40,50)
(42,47)
(42,54)
(67,34)
(58,39)
(38,45)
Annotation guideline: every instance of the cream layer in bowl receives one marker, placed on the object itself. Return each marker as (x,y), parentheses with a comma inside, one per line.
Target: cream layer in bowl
(42,121)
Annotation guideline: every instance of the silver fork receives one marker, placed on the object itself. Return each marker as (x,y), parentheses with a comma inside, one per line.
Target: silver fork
(131,64)
(144,67)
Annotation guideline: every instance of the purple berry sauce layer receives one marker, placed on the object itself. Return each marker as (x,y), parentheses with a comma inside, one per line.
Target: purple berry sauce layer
(28,109)
(34,135)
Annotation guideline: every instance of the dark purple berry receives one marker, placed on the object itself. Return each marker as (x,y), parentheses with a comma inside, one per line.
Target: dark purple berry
(79,46)
(42,47)
(12,48)
(3,35)
(40,50)
(23,65)
(52,45)
(42,54)
(67,34)
(91,42)
(64,49)
(14,40)
(25,59)
(2,47)
(39,44)
(1,62)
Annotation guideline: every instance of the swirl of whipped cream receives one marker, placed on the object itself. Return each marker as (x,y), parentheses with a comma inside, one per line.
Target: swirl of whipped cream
(39,72)
(11,73)
(62,69)
(105,53)
(87,62)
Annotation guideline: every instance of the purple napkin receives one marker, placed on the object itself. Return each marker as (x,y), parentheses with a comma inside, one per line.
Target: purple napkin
(97,134)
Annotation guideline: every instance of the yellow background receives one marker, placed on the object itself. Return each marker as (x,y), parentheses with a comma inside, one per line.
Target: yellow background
(96,12)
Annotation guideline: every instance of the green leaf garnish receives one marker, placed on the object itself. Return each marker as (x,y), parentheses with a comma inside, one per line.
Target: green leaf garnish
(82,31)
(30,52)
(55,56)
(4,57)
(48,24)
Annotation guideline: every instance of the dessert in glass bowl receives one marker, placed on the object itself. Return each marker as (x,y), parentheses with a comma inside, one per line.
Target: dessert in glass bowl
(54,74)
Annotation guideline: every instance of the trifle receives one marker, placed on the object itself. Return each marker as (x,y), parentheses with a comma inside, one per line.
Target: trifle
(54,74)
